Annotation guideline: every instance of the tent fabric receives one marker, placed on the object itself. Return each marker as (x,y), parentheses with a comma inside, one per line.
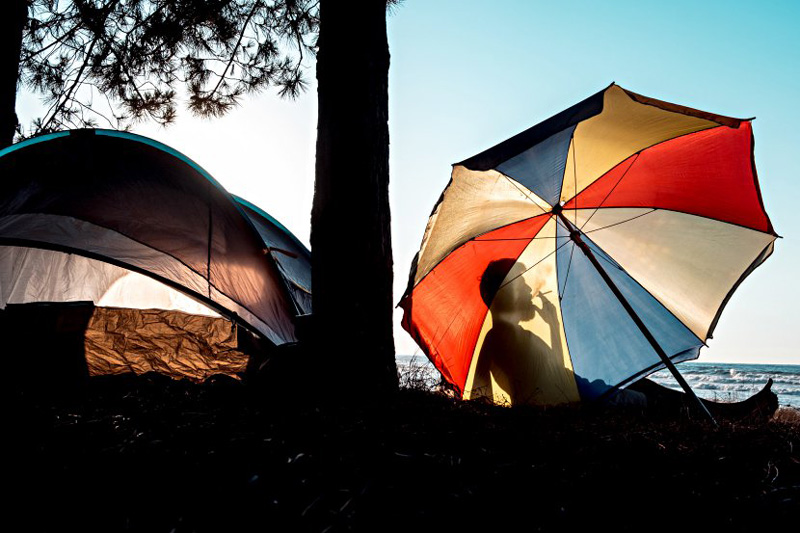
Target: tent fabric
(666,199)
(173,343)
(290,255)
(138,204)
(29,275)
(123,221)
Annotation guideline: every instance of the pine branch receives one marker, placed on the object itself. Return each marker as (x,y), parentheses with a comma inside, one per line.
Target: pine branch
(75,83)
(256,6)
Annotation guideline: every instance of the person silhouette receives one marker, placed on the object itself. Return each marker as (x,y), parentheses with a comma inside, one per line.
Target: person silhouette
(522,358)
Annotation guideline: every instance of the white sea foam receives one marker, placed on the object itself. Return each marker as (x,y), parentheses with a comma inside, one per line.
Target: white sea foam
(735,382)
(714,381)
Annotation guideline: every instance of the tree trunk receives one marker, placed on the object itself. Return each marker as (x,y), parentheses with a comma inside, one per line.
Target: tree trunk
(12,23)
(350,233)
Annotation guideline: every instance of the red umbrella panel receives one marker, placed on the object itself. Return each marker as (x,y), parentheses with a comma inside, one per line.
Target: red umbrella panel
(552,257)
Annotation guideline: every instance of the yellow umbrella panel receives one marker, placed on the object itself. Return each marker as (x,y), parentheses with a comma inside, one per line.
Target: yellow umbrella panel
(588,251)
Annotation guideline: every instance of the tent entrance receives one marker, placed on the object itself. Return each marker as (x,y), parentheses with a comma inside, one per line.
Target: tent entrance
(71,316)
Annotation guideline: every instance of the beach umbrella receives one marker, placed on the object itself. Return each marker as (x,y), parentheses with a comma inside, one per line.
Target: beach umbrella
(588,251)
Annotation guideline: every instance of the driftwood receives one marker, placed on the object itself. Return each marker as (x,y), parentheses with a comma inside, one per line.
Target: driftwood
(757,408)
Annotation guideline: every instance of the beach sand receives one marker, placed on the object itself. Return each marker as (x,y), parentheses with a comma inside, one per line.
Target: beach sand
(150,454)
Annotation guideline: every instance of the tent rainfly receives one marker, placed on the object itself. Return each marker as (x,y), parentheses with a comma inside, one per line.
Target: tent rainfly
(131,248)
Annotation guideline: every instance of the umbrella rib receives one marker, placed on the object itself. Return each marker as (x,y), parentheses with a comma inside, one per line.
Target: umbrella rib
(443,333)
(590,255)
(652,210)
(475,239)
(532,266)
(478,239)
(514,239)
(522,192)
(569,264)
(566,277)
(610,260)
(602,254)
(606,196)
(575,175)
(637,153)
(769,231)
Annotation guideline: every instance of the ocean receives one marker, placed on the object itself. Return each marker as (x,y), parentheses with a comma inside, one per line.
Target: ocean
(722,382)
(727,382)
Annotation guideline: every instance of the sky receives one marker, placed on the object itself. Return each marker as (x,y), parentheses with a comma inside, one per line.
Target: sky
(467,74)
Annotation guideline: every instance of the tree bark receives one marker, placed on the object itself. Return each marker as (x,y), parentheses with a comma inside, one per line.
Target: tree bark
(350,231)
(12,24)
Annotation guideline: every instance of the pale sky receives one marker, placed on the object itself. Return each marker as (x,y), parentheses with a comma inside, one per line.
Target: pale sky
(466,75)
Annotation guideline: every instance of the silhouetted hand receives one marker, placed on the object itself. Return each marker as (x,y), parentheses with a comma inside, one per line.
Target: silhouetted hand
(548,311)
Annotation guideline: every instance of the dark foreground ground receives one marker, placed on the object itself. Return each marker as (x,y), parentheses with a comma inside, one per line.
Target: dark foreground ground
(153,455)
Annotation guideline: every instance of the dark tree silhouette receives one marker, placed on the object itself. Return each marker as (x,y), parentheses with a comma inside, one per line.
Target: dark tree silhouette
(350,236)
(12,24)
(119,61)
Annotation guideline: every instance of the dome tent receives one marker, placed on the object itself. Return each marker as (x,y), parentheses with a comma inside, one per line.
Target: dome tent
(132,247)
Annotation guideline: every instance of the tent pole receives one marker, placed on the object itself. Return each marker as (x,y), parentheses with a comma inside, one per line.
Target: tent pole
(575,235)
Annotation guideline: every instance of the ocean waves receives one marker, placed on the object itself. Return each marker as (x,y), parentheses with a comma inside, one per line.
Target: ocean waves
(735,382)
(724,382)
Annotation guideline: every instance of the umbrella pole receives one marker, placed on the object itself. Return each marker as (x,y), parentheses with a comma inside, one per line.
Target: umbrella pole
(576,237)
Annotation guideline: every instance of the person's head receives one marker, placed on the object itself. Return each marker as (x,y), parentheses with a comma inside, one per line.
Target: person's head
(517,299)
(492,279)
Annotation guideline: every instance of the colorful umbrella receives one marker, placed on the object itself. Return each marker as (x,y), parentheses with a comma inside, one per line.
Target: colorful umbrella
(587,251)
